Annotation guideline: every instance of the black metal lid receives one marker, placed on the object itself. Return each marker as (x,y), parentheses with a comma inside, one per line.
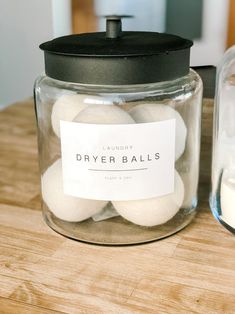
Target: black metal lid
(116,57)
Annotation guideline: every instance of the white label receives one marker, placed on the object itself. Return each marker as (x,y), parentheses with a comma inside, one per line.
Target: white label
(118,162)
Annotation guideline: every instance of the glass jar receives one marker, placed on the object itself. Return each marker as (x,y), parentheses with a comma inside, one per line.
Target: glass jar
(118,143)
(222,199)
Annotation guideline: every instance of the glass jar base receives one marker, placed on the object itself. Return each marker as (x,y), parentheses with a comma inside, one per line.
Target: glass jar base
(107,232)
(216,210)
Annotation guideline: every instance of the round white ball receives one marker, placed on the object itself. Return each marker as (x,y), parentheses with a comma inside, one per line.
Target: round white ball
(159,112)
(68,106)
(63,206)
(108,114)
(153,211)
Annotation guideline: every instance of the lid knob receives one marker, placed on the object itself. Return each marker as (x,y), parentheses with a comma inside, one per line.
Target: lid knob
(114,25)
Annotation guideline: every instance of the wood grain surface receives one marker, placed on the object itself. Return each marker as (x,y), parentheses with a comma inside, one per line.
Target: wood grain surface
(43,272)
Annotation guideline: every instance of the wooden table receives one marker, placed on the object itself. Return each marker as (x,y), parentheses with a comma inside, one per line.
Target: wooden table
(43,272)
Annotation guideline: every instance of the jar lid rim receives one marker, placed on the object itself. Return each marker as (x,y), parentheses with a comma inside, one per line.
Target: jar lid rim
(129,44)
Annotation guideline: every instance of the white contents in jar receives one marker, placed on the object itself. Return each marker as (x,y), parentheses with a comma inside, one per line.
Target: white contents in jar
(158,112)
(227,199)
(68,106)
(63,206)
(154,211)
(109,114)
(227,108)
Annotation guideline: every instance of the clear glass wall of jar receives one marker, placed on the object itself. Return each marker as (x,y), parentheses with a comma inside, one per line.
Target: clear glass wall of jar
(222,199)
(110,221)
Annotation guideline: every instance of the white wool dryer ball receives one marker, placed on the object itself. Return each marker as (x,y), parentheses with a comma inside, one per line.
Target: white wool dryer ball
(108,114)
(68,106)
(63,206)
(153,211)
(159,112)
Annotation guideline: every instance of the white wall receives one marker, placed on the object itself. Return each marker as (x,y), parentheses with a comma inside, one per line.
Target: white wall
(62,17)
(209,50)
(148,15)
(24,24)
